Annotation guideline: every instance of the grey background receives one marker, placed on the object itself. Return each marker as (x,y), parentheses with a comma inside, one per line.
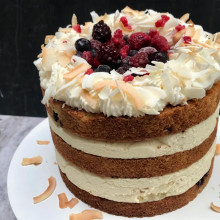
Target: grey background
(24,24)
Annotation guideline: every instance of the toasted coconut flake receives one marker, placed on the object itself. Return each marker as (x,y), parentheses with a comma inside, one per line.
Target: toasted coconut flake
(62,200)
(74,20)
(82,67)
(64,58)
(130,11)
(72,203)
(217,151)
(65,30)
(178,35)
(125,29)
(125,87)
(88,24)
(86,215)
(215,208)
(48,192)
(48,38)
(40,55)
(93,101)
(191,22)
(185,17)
(32,161)
(49,57)
(43,142)
(217,38)
(190,31)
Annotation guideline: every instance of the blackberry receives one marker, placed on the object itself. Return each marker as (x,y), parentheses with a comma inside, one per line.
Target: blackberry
(159,56)
(96,44)
(103,68)
(83,44)
(123,69)
(101,32)
(109,54)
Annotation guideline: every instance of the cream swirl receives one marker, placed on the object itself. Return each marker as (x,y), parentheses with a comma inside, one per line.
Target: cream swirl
(191,70)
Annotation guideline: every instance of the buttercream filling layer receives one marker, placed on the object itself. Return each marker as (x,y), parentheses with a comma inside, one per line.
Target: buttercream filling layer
(156,147)
(137,190)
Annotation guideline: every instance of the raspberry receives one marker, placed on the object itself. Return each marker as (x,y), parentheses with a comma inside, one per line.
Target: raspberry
(139,40)
(117,38)
(124,21)
(124,51)
(128,78)
(88,72)
(187,39)
(88,57)
(160,43)
(109,54)
(95,44)
(162,21)
(101,32)
(77,28)
(180,27)
(153,32)
(96,62)
(147,50)
(139,60)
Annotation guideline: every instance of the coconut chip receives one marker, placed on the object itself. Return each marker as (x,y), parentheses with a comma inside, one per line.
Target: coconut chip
(48,192)
(32,161)
(62,200)
(65,30)
(214,207)
(73,202)
(217,151)
(43,142)
(130,11)
(185,17)
(86,215)
(74,20)
(48,38)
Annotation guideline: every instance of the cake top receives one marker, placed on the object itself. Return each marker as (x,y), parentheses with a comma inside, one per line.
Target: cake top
(129,63)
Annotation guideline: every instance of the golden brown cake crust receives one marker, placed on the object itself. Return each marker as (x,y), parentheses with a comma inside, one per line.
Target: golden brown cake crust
(167,204)
(132,168)
(118,129)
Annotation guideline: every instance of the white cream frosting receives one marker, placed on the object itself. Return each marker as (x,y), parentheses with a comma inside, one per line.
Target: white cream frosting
(137,190)
(193,70)
(167,145)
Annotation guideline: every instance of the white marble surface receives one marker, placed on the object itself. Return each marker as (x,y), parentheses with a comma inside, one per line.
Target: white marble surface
(12,130)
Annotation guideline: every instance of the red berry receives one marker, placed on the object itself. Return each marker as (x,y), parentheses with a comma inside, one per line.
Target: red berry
(128,78)
(117,38)
(153,32)
(64,42)
(160,43)
(139,60)
(77,28)
(161,22)
(187,39)
(180,27)
(96,63)
(95,44)
(124,21)
(124,51)
(138,40)
(88,72)
(88,57)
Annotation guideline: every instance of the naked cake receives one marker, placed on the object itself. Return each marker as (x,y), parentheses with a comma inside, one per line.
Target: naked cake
(132,100)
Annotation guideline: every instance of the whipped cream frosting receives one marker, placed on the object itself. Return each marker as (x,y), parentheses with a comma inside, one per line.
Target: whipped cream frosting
(170,144)
(137,190)
(192,69)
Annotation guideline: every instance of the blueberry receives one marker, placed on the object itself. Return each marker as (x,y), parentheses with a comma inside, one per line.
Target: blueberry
(122,69)
(83,44)
(126,38)
(79,54)
(55,116)
(132,53)
(158,56)
(126,61)
(93,51)
(103,68)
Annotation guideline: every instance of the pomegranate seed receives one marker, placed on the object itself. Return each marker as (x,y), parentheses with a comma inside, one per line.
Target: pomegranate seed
(180,27)
(165,18)
(187,39)
(77,28)
(162,21)
(74,60)
(64,41)
(124,21)
(89,71)
(128,78)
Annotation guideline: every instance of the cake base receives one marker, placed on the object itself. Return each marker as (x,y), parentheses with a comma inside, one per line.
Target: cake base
(139,209)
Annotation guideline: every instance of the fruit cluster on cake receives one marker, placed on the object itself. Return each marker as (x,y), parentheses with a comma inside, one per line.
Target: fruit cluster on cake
(132,101)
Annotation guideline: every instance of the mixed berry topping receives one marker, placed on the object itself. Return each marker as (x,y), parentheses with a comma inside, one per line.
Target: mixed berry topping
(187,39)
(77,28)
(162,21)
(101,32)
(106,52)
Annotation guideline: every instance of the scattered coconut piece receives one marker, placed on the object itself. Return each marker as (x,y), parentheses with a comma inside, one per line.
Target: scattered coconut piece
(62,200)
(72,203)
(55,163)
(82,67)
(217,151)
(86,215)
(48,192)
(43,142)
(185,17)
(32,161)
(48,38)
(214,207)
